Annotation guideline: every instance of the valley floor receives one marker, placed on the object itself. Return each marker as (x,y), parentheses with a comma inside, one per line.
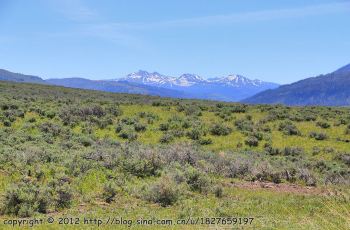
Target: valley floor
(89,159)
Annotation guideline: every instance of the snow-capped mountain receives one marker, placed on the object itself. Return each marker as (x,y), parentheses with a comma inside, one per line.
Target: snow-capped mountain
(237,81)
(189,80)
(229,88)
(157,79)
(144,77)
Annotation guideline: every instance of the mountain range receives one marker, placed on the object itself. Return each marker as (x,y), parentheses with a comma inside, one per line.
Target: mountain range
(230,88)
(332,89)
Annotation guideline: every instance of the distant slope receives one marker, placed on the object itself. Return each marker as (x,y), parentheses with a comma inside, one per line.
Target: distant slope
(222,92)
(329,90)
(117,87)
(17,77)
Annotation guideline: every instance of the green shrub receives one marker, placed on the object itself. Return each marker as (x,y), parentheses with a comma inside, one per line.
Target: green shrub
(85,141)
(265,172)
(244,125)
(288,128)
(176,133)
(218,191)
(307,177)
(323,124)
(50,128)
(64,196)
(345,158)
(129,120)
(318,136)
(205,141)
(102,123)
(194,134)
(109,192)
(252,141)
(24,200)
(50,114)
(257,135)
(290,175)
(220,130)
(142,162)
(196,180)
(7,123)
(32,120)
(238,168)
(139,127)
(347,130)
(128,134)
(157,103)
(114,110)
(239,108)
(164,127)
(119,128)
(166,138)
(164,192)
(293,151)
(186,124)
(190,110)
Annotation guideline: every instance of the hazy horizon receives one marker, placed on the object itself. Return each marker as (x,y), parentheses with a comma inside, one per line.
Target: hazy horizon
(273,41)
(169,75)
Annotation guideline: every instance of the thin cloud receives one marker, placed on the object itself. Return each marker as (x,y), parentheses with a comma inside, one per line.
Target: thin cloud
(75,10)
(227,19)
(128,34)
(258,16)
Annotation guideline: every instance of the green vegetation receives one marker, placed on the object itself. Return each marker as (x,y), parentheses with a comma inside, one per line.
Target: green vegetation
(67,152)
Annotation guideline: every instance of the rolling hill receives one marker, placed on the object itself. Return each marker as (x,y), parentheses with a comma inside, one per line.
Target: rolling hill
(17,77)
(332,89)
(117,87)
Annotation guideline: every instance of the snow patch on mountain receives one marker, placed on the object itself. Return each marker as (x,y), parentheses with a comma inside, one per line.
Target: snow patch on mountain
(189,80)
(147,78)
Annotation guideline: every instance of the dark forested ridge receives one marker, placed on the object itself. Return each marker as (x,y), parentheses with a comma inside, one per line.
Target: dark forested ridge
(17,77)
(329,90)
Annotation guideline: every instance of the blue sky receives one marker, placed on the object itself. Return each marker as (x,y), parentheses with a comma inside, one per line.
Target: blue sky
(279,41)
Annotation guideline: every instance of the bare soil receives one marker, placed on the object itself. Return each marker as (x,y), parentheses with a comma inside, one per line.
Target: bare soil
(283,187)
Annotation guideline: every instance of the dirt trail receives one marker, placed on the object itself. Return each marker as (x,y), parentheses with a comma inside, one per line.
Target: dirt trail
(288,188)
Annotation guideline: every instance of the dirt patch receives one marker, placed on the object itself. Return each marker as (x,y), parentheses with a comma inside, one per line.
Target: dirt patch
(287,188)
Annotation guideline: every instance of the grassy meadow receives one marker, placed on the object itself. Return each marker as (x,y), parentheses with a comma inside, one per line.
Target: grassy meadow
(77,153)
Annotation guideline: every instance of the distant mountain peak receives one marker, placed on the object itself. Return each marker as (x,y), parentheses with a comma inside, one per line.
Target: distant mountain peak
(236,80)
(147,78)
(189,79)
